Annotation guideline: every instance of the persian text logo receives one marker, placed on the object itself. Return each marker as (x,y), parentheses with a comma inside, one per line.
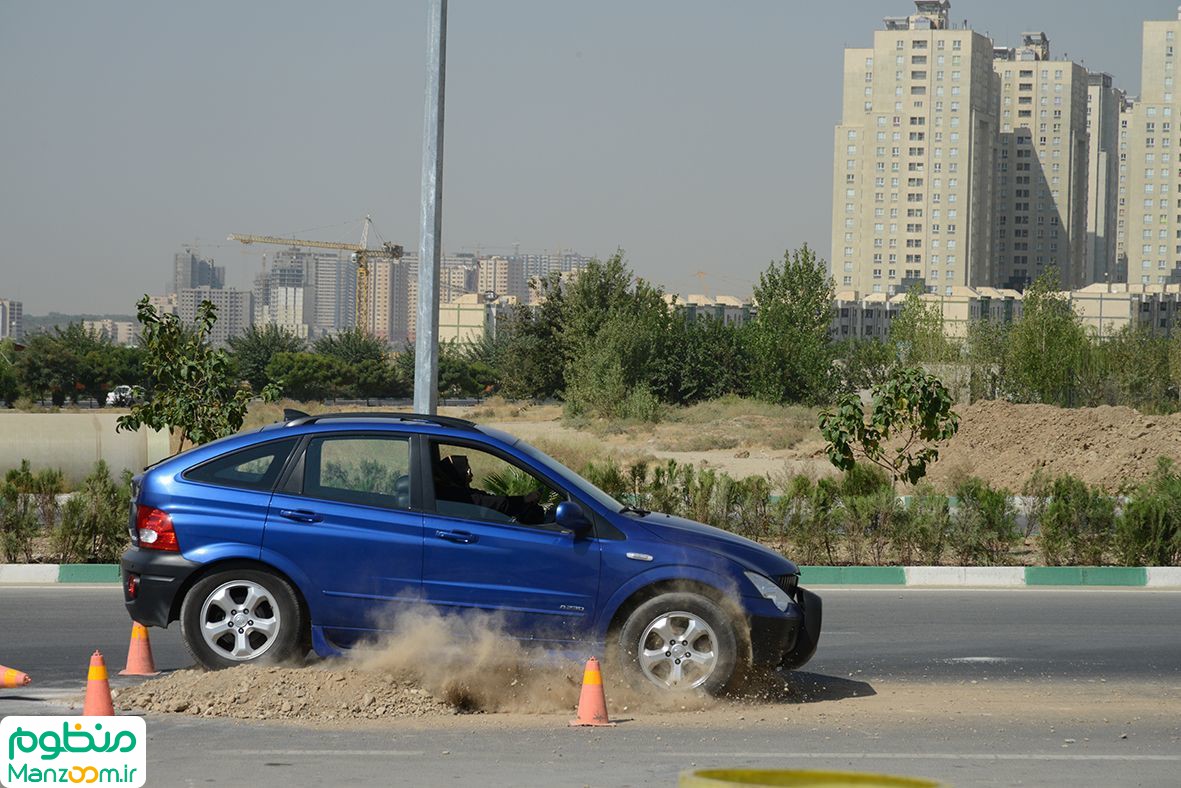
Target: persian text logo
(73,750)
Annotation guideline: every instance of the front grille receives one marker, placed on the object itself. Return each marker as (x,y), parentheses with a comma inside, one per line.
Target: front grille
(788,583)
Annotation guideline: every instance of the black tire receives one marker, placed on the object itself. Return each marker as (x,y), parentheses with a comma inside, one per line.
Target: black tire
(726,668)
(288,641)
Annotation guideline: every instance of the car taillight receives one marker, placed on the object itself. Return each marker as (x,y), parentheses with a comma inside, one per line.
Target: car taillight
(155,529)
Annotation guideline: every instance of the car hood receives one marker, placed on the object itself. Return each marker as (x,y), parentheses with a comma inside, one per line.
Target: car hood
(746,552)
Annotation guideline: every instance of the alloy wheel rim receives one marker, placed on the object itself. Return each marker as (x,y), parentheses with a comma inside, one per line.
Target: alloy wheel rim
(240,620)
(678,650)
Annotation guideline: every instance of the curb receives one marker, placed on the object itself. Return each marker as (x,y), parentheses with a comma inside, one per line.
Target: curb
(914,576)
(994,576)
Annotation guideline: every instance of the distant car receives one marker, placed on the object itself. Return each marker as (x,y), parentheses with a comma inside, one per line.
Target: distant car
(308,533)
(121,397)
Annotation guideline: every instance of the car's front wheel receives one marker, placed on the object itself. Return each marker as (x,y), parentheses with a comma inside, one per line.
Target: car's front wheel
(680,641)
(242,616)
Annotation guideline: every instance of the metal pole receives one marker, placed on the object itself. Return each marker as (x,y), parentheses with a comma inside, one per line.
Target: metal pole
(426,340)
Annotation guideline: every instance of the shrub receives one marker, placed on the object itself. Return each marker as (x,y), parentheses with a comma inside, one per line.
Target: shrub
(19,523)
(984,524)
(869,523)
(1148,532)
(1078,525)
(94,520)
(922,535)
(1037,494)
(807,513)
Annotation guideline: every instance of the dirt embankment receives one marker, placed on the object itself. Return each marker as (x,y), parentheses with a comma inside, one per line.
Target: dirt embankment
(1003,443)
(1109,446)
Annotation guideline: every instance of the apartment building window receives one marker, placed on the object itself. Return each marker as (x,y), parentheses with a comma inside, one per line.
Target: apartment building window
(918,75)
(918,90)
(877,273)
(919,43)
(899,44)
(955,44)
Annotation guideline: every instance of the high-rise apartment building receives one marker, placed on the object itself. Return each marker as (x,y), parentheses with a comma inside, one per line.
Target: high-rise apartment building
(912,182)
(11,320)
(388,317)
(1152,223)
(190,271)
(503,276)
(280,297)
(1040,191)
(1105,104)
(234,310)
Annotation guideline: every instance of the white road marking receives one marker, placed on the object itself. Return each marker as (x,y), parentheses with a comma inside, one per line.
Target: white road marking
(986,660)
(320,753)
(928,756)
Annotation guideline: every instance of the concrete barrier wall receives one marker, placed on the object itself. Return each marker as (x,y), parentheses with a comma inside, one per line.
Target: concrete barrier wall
(74,442)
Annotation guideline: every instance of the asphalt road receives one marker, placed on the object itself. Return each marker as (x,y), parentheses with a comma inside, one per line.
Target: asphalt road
(1058,643)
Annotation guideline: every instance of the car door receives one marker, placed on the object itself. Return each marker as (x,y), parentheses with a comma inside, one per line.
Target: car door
(489,547)
(346,517)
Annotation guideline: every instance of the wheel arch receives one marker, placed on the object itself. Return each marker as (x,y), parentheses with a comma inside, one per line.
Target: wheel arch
(241,563)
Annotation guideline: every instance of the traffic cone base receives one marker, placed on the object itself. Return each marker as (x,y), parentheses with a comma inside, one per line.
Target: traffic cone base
(592,701)
(139,654)
(11,678)
(98,690)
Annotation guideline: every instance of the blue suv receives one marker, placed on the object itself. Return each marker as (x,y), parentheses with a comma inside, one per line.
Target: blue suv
(308,534)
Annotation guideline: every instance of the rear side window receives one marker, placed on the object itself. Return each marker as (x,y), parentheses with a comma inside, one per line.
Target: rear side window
(255,468)
(369,470)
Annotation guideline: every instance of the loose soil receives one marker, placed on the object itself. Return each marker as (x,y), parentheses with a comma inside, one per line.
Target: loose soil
(349,697)
(1003,443)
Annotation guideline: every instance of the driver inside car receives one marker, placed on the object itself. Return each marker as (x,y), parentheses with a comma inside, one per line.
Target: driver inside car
(453,482)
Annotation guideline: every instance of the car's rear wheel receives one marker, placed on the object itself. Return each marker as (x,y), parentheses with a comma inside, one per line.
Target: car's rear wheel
(680,641)
(242,616)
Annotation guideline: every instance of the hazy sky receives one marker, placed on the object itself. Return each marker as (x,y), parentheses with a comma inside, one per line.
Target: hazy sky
(695,135)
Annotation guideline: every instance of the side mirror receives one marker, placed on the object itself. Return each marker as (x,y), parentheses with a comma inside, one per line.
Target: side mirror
(570,516)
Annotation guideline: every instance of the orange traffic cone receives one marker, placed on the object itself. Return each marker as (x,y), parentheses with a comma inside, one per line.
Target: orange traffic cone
(11,677)
(98,689)
(139,654)
(592,703)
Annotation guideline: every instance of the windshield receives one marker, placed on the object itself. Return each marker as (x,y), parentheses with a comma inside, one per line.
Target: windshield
(558,469)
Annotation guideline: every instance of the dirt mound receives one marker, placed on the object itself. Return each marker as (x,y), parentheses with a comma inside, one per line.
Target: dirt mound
(261,693)
(1006,443)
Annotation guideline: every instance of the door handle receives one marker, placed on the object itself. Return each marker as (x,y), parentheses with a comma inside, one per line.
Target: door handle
(300,515)
(460,537)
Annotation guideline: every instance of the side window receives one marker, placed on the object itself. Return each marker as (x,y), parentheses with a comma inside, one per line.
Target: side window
(255,468)
(360,469)
(478,485)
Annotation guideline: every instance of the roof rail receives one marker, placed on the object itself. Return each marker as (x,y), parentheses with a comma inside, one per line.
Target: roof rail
(295,418)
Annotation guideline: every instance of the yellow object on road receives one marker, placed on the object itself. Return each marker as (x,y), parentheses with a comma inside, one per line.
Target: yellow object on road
(796,778)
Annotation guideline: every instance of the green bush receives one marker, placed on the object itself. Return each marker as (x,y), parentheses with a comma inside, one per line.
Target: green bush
(19,523)
(869,522)
(922,536)
(1078,526)
(94,519)
(1148,533)
(808,522)
(983,525)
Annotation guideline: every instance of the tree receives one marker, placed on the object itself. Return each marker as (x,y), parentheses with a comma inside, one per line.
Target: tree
(613,328)
(703,359)
(9,379)
(254,349)
(987,355)
(1049,353)
(911,413)
(1137,368)
(196,394)
(917,332)
(863,362)
(532,360)
(790,350)
(352,346)
(310,376)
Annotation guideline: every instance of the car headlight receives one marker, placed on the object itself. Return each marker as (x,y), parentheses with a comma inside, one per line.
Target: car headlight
(766,586)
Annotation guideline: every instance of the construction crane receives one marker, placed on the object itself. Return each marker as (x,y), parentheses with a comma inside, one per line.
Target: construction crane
(361,256)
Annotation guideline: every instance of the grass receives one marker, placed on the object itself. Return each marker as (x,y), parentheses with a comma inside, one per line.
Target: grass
(726,423)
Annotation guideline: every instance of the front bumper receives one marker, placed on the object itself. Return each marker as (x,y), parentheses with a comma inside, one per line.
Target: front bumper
(161,576)
(787,642)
